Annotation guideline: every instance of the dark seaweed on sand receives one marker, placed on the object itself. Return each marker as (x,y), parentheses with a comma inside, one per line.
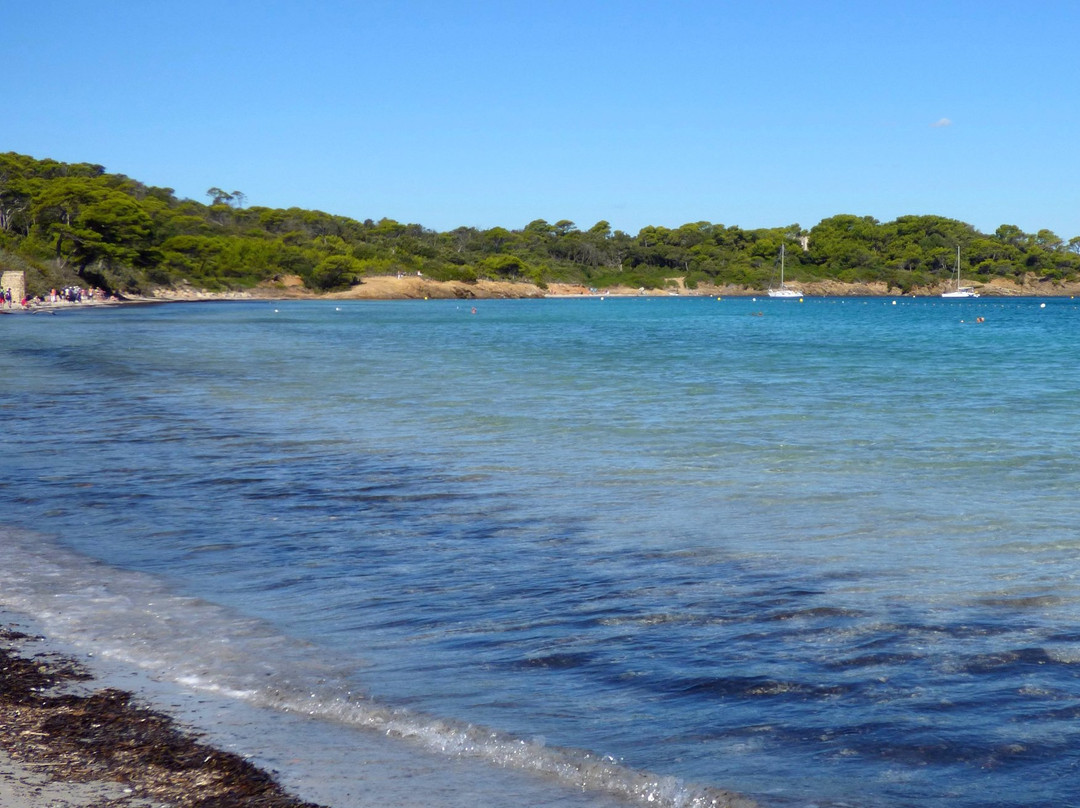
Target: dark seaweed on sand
(105,735)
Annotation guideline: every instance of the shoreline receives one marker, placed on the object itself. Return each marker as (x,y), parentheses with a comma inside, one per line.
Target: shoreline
(67,741)
(388,287)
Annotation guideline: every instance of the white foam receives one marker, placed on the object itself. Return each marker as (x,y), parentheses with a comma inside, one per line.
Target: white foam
(133,619)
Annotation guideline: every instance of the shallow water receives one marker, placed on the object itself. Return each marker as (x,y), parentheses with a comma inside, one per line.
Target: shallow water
(825,555)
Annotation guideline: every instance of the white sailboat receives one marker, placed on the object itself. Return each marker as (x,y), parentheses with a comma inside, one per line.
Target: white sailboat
(960,291)
(783,291)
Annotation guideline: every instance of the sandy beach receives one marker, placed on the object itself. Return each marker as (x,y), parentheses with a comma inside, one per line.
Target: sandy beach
(411,287)
(67,742)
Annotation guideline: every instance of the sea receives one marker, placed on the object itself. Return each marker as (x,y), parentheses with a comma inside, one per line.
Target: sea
(598,552)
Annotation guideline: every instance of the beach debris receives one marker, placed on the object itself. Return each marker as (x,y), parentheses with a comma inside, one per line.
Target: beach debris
(50,717)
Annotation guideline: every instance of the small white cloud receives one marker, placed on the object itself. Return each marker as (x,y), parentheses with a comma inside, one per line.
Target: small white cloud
(942,122)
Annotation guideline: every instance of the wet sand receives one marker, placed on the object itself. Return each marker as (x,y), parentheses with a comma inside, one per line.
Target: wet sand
(65,742)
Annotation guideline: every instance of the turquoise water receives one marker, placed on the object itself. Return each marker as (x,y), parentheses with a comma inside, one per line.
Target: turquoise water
(819,553)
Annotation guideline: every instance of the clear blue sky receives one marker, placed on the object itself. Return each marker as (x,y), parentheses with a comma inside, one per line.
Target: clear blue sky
(449,113)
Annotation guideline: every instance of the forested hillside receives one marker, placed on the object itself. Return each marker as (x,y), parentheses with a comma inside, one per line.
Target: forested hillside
(74,223)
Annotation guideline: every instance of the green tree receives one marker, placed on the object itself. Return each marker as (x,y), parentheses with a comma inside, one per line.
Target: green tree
(1011,234)
(219,197)
(503,266)
(88,222)
(334,272)
(1048,240)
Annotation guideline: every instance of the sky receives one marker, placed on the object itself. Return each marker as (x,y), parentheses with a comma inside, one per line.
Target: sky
(481,114)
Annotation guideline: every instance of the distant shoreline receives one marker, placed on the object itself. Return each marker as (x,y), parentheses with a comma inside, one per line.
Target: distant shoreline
(385,287)
(410,287)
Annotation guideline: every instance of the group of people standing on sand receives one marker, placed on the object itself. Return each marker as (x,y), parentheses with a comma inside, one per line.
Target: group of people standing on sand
(72,294)
(69,294)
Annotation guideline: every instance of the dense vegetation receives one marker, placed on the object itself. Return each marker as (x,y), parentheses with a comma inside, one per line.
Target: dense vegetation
(75,223)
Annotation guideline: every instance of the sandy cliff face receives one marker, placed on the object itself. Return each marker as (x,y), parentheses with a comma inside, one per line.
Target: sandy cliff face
(389,287)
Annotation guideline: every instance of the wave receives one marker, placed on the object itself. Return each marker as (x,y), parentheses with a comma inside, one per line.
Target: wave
(134,619)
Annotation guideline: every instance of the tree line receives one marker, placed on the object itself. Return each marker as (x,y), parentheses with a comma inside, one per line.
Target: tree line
(76,223)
